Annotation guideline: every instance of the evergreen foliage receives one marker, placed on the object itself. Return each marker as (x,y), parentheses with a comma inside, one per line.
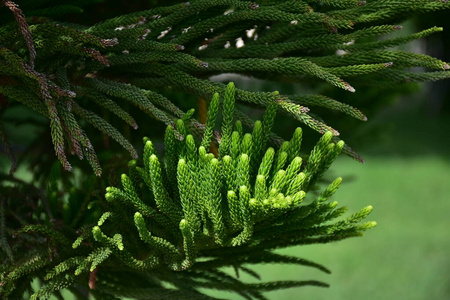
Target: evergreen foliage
(54,67)
(216,198)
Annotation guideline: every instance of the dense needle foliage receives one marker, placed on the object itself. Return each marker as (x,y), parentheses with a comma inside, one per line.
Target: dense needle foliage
(216,198)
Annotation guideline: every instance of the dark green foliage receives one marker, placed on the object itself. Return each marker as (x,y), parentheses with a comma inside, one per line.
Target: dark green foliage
(37,230)
(139,56)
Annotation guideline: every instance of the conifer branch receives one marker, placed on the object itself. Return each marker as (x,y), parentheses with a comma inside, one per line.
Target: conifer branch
(24,28)
(228,209)
(287,41)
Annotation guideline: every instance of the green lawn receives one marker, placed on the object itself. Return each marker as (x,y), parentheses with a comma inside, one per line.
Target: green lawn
(405,257)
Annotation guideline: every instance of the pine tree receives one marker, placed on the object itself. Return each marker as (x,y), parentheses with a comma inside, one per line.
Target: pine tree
(216,198)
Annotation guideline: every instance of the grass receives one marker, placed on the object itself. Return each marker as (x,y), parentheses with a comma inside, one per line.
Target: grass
(404,257)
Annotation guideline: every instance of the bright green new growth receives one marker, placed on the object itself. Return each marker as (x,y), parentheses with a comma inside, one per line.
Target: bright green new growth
(216,212)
